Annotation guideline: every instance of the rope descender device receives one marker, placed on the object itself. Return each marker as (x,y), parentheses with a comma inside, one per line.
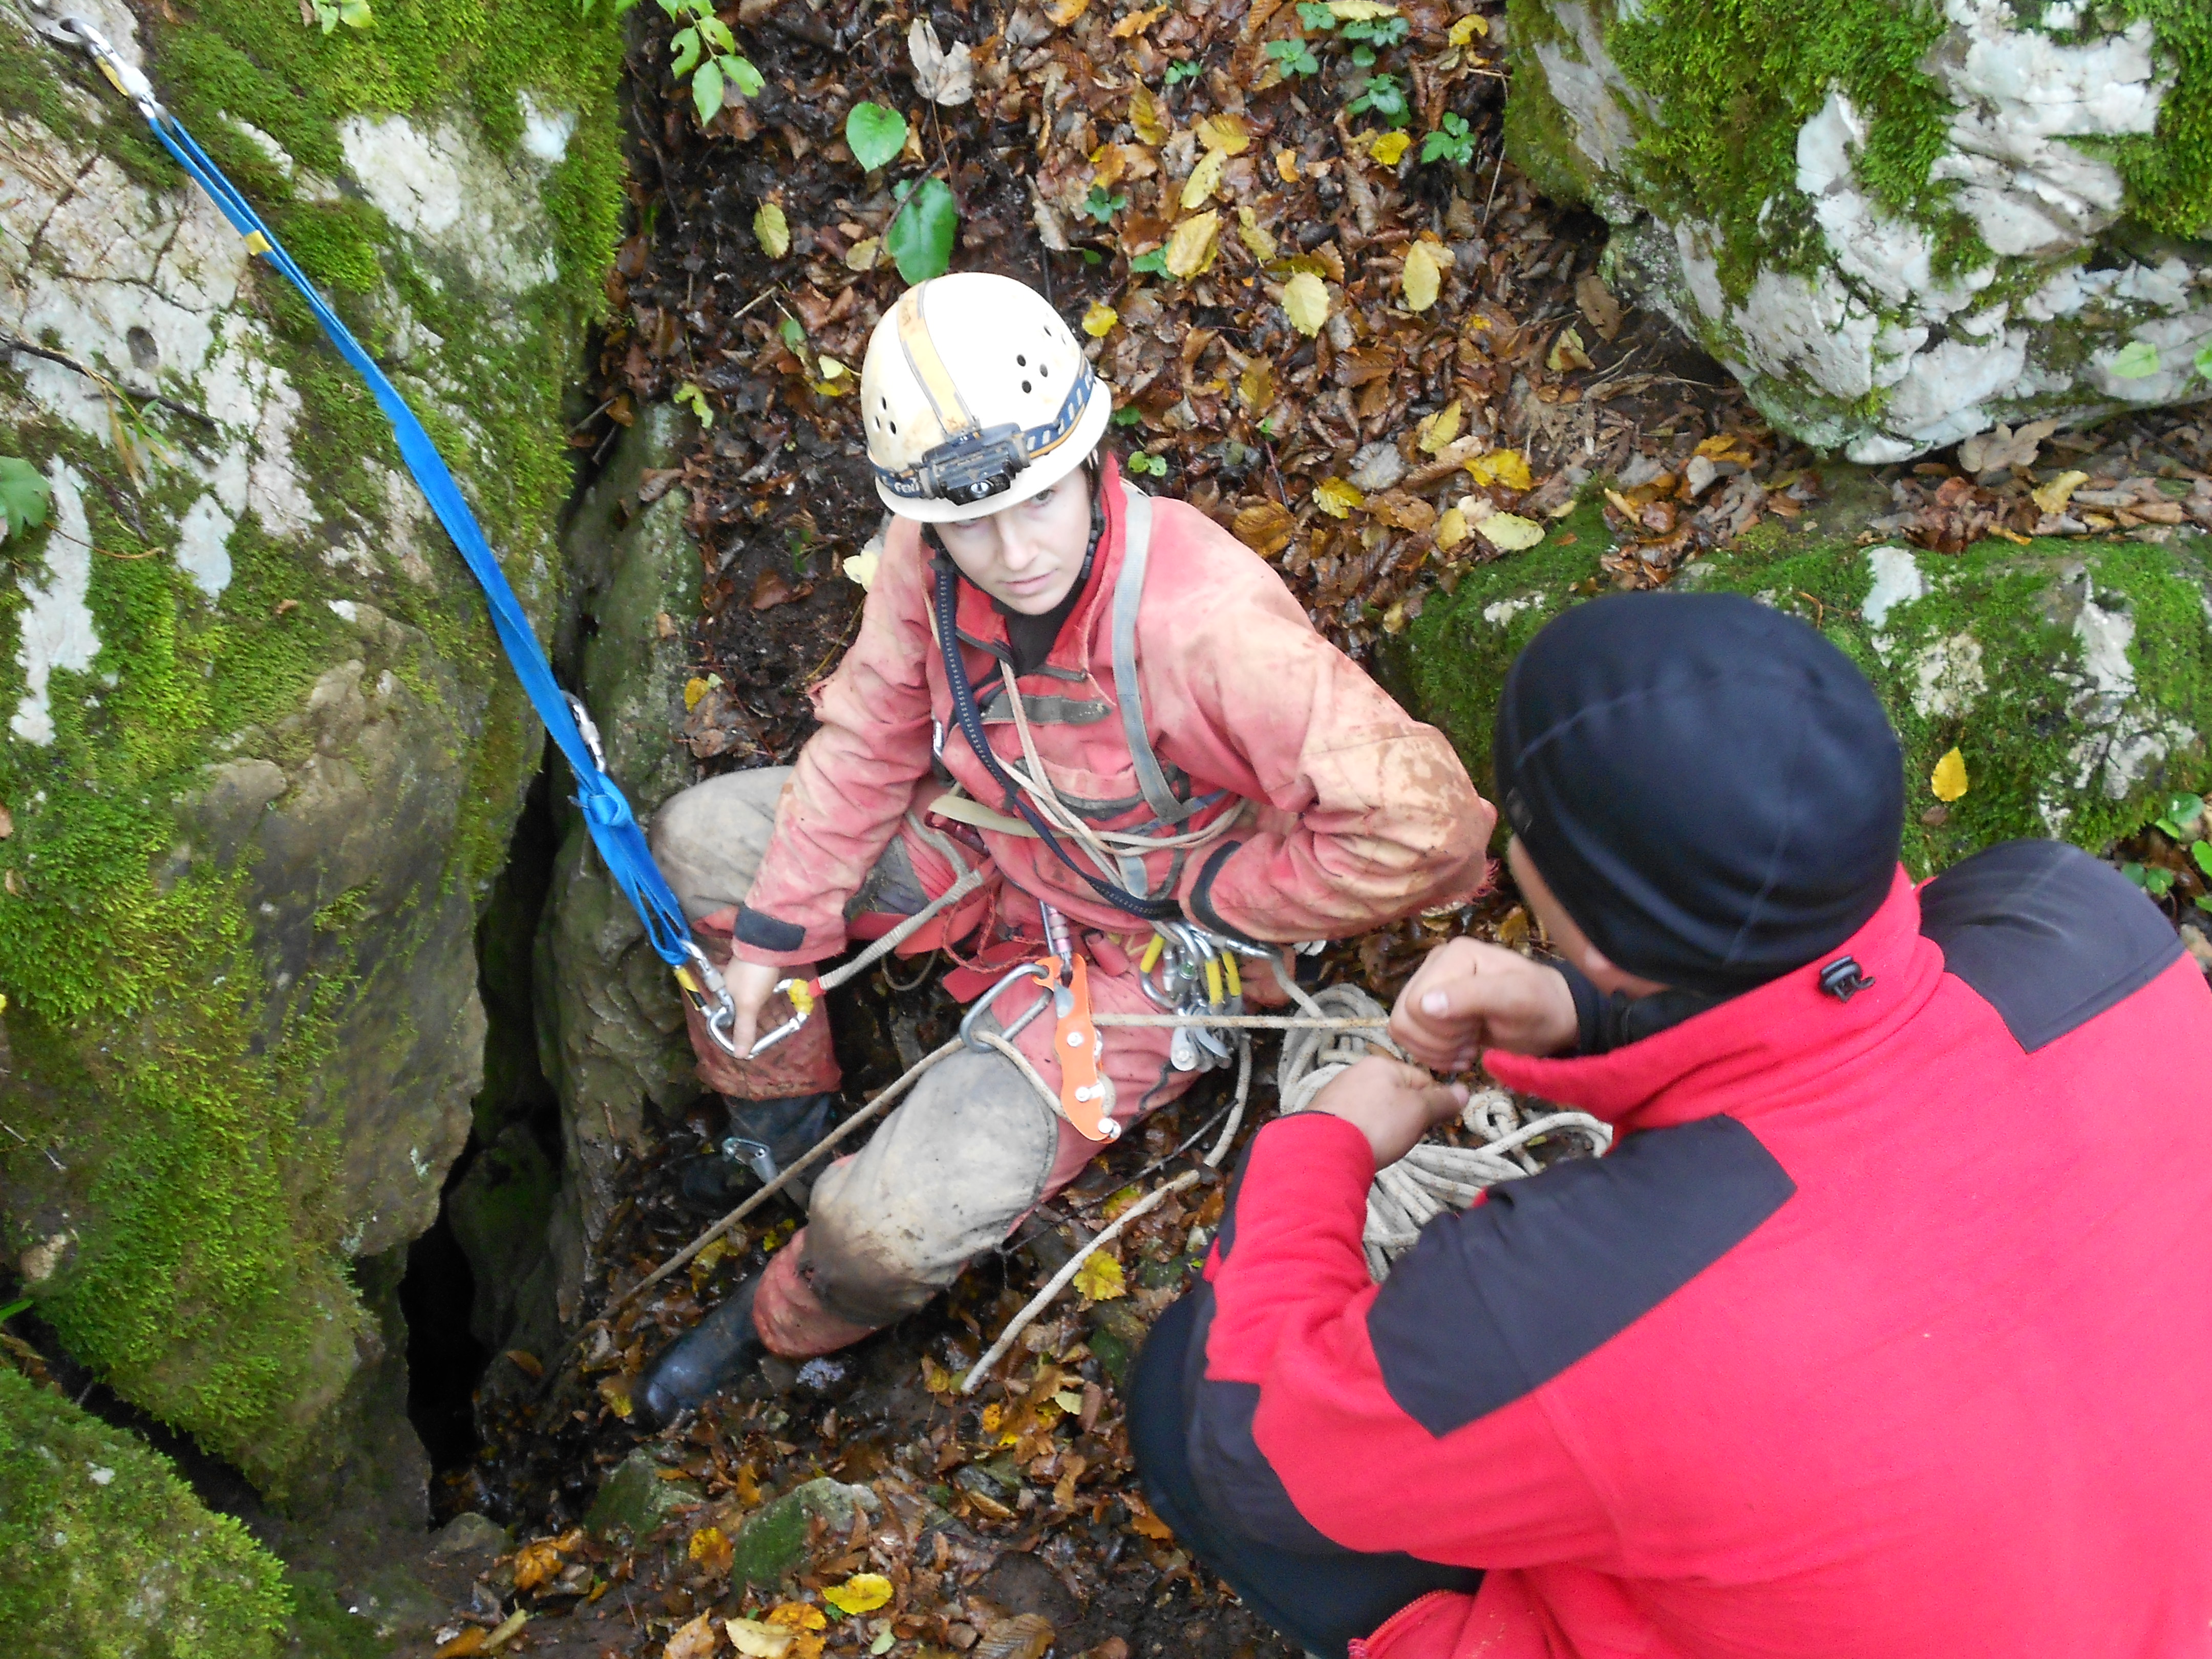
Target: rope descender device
(1201,982)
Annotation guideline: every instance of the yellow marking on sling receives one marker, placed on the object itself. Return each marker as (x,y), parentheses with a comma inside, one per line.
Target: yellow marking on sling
(256,243)
(1235,979)
(1213,980)
(1151,956)
(937,382)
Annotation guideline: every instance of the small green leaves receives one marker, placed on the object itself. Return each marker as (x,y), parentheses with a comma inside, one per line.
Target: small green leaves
(2204,361)
(1142,463)
(1189,69)
(692,398)
(2180,820)
(2202,852)
(25,495)
(706,89)
(1154,263)
(745,77)
(1128,415)
(685,46)
(2136,361)
(1383,95)
(1293,57)
(354,14)
(2153,880)
(1453,142)
(875,135)
(793,335)
(1315,16)
(1101,206)
(919,240)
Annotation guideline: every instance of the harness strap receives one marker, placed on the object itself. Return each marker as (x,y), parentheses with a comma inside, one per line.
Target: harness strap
(1128,595)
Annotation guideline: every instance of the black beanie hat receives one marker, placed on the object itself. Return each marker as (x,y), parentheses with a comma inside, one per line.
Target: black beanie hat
(1709,788)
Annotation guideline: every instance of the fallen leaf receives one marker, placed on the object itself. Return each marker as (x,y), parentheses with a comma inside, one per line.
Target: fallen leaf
(1266,527)
(1203,179)
(1439,429)
(1360,11)
(1195,241)
(1287,166)
(1567,353)
(7,824)
(509,1628)
(1226,135)
(693,689)
(772,588)
(1099,1278)
(1142,1520)
(1025,1636)
(864,1592)
(1597,304)
(1420,277)
(798,1615)
(615,1391)
(466,1645)
(758,1640)
(1068,1401)
(2005,446)
(1451,528)
(2137,360)
(1099,319)
(772,230)
(525,1361)
(1137,22)
(1305,302)
(535,1564)
(1948,781)
(1255,386)
(1393,619)
(1067,11)
(710,1548)
(1509,533)
(864,254)
(1148,116)
(1501,466)
(1389,149)
(875,133)
(1337,498)
(694,1641)
(1468,28)
(1256,237)
(12,884)
(942,76)
(2053,496)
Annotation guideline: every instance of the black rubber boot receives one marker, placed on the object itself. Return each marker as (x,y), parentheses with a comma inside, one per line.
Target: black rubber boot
(714,1353)
(765,1136)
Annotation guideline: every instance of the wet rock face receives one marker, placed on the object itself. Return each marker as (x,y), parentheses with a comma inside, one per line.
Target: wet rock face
(258,753)
(1897,224)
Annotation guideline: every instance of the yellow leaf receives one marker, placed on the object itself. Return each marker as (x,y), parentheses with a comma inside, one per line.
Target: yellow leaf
(864,1592)
(1360,11)
(1337,498)
(1146,115)
(615,1391)
(1067,11)
(694,1641)
(1137,22)
(1226,134)
(1141,1518)
(1390,148)
(1439,429)
(798,1615)
(1567,353)
(1451,528)
(756,1640)
(1099,1278)
(712,1550)
(994,1415)
(1421,277)
(1203,177)
(1393,619)
(1718,445)
(466,1645)
(1287,166)
(1070,1402)
(2053,496)
(772,230)
(861,256)
(1256,236)
(831,368)
(1948,779)
(1256,387)
(1192,248)
(1306,299)
(861,567)
(1509,533)
(1099,319)
(1468,28)
(693,689)
(535,1563)
(1501,466)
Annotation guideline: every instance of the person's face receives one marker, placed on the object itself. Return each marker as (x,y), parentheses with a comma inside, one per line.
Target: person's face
(1569,941)
(1028,555)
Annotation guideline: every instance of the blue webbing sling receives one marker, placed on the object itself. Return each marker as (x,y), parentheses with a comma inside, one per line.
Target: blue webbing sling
(606,811)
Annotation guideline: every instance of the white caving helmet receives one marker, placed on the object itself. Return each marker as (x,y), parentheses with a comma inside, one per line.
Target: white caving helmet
(976,396)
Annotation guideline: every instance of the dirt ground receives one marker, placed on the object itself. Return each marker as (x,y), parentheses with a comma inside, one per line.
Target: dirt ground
(1011,1524)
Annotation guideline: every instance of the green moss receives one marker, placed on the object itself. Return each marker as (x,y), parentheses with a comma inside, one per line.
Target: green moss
(2023,735)
(106,1554)
(1539,133)
(2169,172)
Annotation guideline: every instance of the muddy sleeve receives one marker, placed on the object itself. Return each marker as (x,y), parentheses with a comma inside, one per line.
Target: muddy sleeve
(1377,817)
(854,778)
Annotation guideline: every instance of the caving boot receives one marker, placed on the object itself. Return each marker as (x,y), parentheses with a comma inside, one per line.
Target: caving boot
(714,1353)
(765,1136)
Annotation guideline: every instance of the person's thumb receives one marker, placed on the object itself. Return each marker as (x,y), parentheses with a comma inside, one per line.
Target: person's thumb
(1457,1001)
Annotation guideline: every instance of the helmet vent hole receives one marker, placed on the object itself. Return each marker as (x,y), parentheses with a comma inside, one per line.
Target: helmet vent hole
(1025,385)
(893,426)
(1044,371)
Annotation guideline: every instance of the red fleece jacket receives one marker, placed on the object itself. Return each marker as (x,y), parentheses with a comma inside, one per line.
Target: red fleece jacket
(1884,1333)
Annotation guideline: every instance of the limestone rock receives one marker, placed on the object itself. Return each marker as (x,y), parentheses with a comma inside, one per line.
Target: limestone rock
(1898,224)
(259,751)
(773,1540)
(2076,678)
(636,1500)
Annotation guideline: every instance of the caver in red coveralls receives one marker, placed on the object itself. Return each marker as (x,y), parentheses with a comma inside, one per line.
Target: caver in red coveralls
(1344,814)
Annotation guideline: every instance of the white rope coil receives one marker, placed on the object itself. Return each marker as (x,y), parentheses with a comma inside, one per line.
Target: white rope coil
(1432,1177)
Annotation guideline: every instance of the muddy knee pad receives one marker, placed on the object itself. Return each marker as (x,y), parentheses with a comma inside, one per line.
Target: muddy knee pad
(708,839)
(944,1179)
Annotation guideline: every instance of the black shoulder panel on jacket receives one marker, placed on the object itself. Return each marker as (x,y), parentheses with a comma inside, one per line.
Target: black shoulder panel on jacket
(767,933)
(2046,935)
(1493,1304)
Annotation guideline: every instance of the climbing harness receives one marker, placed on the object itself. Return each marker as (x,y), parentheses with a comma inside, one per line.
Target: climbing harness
(607,814)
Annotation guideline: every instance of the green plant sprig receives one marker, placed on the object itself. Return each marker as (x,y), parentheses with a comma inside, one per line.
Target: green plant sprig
(706,51)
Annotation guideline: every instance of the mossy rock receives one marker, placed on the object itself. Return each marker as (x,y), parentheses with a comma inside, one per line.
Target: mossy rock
(1899,223)
(773,1541)
(106,1554)
(2073,678)
(259,751)
(635,1501)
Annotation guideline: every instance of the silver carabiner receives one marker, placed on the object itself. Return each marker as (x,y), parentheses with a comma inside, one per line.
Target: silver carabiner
(803,1011)
(976,1009)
